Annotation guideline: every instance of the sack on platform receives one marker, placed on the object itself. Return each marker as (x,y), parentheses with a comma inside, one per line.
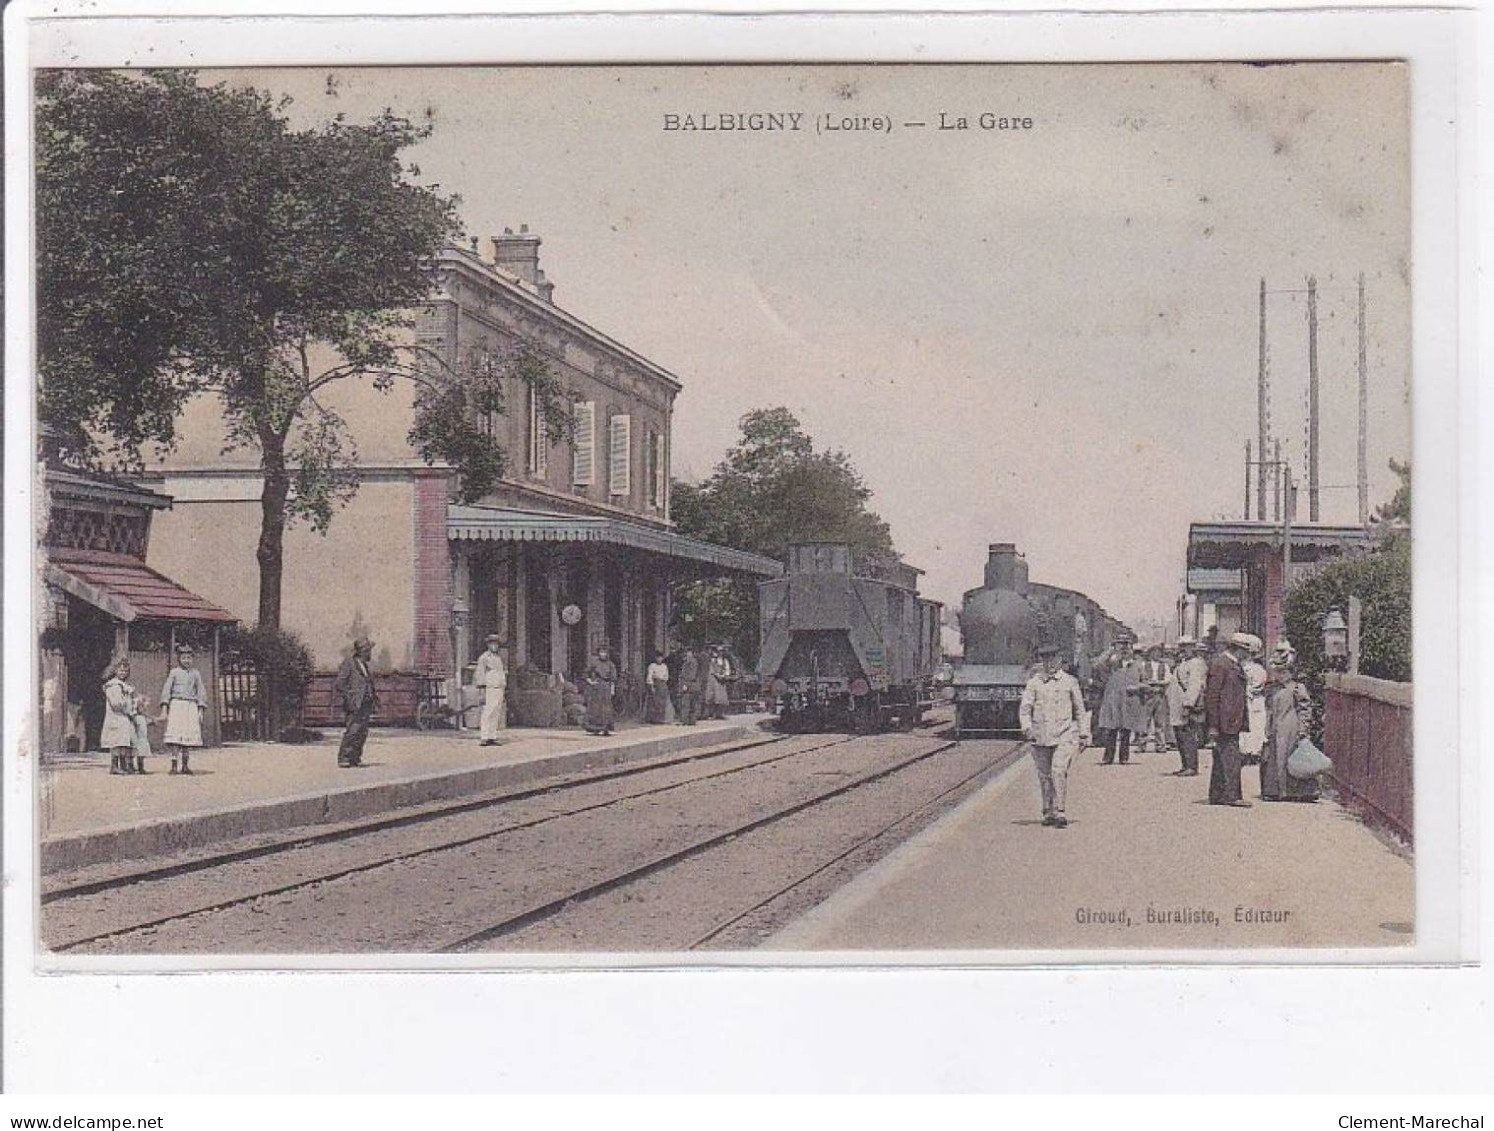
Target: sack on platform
(1306,761)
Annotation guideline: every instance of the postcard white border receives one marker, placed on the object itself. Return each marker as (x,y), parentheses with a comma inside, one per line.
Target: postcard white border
(952,1002)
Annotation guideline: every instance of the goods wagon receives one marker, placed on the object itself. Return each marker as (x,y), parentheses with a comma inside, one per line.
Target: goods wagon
(1001,624)
(847,642)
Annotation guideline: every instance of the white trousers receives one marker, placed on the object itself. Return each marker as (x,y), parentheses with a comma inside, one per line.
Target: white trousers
(1053,764)
(494,717)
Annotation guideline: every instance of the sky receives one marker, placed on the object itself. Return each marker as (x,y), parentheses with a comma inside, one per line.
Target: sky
(1044,335)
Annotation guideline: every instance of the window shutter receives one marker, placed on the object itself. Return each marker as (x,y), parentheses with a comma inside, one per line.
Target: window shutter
(620,449)
(583,449)
(539,438)
(661,470)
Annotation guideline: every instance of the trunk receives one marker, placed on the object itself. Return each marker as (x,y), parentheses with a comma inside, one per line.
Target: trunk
(271,551)
(271,555)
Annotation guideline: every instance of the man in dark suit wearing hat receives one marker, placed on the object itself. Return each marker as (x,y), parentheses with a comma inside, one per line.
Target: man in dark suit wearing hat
(355,687)
(1225,717)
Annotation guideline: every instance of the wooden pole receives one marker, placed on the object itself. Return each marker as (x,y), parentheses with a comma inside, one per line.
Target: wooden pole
(1312,399)
(1276,485)
(1260,415)
(1363,416)
(1247,480)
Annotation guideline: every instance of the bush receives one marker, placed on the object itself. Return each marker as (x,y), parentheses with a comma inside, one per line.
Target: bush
(283,665)
(1382,582)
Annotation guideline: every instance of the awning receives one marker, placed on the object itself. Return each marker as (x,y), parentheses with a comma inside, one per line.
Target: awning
(127,589)
(495,524)
(1235,545)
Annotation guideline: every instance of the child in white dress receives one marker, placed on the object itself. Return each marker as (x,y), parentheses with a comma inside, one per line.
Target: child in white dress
(183,702)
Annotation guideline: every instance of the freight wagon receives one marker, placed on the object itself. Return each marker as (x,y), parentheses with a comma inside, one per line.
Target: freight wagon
(847,641)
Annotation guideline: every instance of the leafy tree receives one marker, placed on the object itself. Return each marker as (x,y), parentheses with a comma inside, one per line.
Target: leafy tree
(772,489)
(1381,581)
(192,242)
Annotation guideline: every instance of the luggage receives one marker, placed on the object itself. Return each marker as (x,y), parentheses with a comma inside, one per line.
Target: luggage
(1306,761)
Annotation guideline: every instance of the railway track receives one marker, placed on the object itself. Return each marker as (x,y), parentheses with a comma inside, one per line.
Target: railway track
(499,872)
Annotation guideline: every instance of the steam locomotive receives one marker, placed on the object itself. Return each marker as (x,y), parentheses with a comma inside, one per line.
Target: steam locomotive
(847,642)
(1001,625)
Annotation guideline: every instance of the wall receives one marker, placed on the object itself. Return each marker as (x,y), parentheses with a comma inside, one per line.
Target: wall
(1367,733)
(361,575)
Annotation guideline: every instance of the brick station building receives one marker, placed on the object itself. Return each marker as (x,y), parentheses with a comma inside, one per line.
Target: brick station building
(573,548)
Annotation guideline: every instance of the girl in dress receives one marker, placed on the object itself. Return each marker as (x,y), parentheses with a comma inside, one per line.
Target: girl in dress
(183,702)
(124,734)
(657,678)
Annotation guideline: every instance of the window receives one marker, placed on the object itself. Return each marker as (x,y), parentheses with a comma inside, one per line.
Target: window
(583,444)
(539,437)
(620,452)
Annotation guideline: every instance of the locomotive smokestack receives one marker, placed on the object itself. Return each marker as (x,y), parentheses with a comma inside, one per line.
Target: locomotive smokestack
(1005,568)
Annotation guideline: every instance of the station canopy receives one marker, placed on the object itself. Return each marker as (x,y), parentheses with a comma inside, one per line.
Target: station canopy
(1237,545)
(127,589)
(497,524)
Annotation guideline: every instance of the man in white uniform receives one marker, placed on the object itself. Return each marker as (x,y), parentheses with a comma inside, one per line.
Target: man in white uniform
(1055,722)
(492,676)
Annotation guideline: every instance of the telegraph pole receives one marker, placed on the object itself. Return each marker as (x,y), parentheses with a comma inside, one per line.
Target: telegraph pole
(1247,480)
(1260,417)
(1276,485)
(1363,416)
(1312,398)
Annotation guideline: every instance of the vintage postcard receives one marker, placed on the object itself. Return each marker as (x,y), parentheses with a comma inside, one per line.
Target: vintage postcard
(947,512)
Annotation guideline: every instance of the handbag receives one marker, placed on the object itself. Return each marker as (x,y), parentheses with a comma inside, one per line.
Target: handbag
(1306,761)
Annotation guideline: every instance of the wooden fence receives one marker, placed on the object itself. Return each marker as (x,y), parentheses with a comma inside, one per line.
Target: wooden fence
(1367,733)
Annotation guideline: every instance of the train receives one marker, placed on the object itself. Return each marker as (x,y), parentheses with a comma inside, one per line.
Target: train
(847,642)
(1001,625)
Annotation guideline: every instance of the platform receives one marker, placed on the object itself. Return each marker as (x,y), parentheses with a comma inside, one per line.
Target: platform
(1145,863)
(88,816)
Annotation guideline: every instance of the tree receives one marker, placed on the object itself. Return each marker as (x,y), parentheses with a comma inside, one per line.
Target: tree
(192,242)
(772,489)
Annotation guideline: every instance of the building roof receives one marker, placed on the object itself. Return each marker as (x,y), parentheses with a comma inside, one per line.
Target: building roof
(1232,545)
(495,524)
(126,588)
(66,483)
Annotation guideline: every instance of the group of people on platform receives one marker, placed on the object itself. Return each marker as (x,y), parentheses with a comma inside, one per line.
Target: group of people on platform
(690,684)
(1249,707)
(125,732)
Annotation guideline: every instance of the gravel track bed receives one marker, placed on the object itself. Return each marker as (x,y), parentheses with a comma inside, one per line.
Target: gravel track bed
(749,886)
(130,906)
(422,903)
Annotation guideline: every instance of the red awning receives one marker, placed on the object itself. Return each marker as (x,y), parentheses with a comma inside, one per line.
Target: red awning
(126,588)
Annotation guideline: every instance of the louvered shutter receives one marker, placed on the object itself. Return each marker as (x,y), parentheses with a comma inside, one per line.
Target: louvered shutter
(584,444)
(539,438)
(620,449)
(661,470)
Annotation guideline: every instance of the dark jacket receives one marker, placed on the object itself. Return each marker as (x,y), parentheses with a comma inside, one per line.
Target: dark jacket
(689,673)
(1225,711)
(355,689)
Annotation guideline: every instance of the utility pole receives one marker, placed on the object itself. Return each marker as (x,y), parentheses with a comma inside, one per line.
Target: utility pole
(1363,416)
(1260,415)
(1276,485)
(1312,398)
(1289,507)
(1247,480)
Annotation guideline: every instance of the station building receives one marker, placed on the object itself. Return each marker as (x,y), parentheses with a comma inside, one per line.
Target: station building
(574,547)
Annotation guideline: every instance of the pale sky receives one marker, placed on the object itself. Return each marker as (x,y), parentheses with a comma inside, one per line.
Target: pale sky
(1045,336)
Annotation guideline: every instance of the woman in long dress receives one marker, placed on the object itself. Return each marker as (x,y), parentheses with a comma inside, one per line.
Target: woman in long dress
(124,733)
(183,702)
(659,708)
(1253,741)
(1289,713)
(601,682)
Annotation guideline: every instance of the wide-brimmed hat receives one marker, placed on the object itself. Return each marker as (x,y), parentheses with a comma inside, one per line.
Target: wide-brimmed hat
(1187,642)
(1048,648)
(494,638)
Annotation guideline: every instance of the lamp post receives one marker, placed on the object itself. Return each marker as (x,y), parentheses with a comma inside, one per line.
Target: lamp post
(1336,640)
(459,615)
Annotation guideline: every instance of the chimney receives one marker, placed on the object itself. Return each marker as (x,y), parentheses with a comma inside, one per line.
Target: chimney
(1005,568)
(519,255)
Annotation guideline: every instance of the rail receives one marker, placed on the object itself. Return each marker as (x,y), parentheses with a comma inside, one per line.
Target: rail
(1367,733)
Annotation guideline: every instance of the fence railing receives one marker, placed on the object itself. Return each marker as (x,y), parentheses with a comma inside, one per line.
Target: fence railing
(1367,733)
(241,701)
